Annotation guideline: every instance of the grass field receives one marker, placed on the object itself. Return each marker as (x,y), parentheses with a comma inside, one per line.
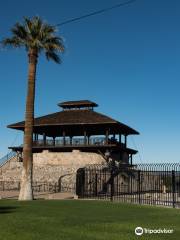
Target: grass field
(83,220)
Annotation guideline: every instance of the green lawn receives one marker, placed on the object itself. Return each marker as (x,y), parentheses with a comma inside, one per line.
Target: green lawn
(83,220)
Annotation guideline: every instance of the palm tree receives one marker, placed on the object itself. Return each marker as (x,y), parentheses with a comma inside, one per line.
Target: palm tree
(36,37)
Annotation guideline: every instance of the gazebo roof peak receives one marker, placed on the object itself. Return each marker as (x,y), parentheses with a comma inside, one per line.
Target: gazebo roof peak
(77,104)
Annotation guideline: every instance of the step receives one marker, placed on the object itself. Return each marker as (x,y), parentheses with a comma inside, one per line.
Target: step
(62,195)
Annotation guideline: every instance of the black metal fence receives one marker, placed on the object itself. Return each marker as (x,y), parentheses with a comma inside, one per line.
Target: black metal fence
(156,184)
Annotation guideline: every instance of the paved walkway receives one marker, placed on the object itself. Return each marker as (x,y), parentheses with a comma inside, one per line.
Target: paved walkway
(44,195)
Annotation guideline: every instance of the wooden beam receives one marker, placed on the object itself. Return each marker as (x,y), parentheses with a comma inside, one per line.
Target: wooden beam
(44,138)
(64,140)
(54,141)
(71,140)
(107,136)
(131,159)
(125,140)
(85,138)
(119,138)
(88,138)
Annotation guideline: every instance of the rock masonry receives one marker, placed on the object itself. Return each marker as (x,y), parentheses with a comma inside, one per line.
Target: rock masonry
(51,167)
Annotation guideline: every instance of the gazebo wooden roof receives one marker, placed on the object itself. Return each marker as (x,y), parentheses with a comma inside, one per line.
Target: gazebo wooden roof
(78,104)
(79,127)
(74,121)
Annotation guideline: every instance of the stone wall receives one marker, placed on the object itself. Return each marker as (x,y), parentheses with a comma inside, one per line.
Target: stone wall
(52,167)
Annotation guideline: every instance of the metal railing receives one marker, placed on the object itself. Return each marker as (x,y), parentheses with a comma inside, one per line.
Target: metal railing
(155,184)
(7,157)
(67,142)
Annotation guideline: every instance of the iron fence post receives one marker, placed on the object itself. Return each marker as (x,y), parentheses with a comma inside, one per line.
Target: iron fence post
(139,186)
(173,188)
(131,182)
(96,185)
(112,185)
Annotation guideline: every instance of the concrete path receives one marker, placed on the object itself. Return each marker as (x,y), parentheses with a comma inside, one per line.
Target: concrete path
(37,195)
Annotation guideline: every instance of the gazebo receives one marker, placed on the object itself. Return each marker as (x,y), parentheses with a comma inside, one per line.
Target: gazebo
(79,127)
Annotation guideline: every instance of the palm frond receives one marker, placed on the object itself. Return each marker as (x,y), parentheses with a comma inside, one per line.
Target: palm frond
(54,43)
(28,24)
(36,27)
(11,42)
(19,31)
(51,55)
(48,29)
(38,35)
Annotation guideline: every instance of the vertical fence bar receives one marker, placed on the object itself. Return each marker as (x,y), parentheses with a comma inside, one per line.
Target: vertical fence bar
(173,188)
(112,185)
(178,178)
(139,186)
(96,177)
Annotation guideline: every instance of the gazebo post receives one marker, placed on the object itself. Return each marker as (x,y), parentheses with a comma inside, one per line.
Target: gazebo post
(85,137)
(71,140)
(88,139)
(64,140)
(120,138)
(107,136)
(54,141)
(34,137)
(125,140)
(44,139)
(131,158)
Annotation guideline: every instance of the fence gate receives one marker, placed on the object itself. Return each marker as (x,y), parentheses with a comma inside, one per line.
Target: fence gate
(156,184)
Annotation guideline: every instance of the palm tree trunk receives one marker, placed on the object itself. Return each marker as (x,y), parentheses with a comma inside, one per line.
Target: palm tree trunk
(26,191)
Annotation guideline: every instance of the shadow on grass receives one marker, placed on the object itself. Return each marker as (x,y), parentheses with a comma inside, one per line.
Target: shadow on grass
(7,209)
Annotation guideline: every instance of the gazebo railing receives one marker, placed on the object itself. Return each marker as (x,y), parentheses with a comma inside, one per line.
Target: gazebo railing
(67,142)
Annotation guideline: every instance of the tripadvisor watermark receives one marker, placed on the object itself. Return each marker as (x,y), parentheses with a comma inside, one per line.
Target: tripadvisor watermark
(139,231)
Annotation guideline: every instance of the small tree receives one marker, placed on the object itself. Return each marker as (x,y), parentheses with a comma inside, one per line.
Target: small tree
(36,37)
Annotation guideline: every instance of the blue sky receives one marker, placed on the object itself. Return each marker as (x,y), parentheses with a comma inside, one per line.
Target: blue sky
(127,60)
